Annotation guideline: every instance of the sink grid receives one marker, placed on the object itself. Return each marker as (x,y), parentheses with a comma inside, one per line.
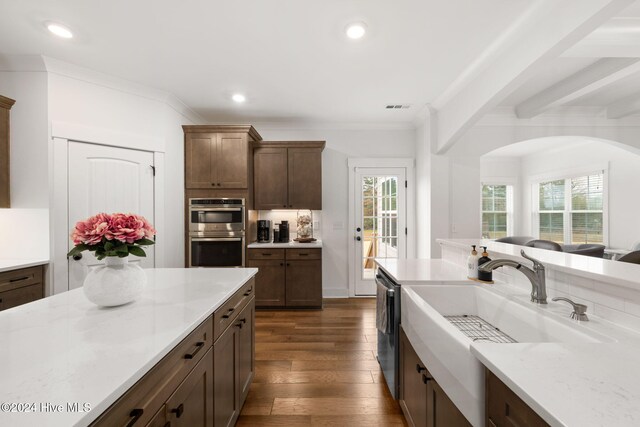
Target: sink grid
(479,329)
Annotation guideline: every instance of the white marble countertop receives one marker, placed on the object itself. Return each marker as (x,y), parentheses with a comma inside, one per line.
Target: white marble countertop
(421,270)
(63,349)
(15,264)
(615,272)
(290,245)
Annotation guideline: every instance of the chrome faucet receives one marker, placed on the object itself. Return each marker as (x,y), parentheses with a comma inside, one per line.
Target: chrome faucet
(536,275)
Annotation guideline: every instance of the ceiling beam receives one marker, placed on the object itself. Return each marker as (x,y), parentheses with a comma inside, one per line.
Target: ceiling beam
(547,29)
(624,107)
(596,76)
(617,38)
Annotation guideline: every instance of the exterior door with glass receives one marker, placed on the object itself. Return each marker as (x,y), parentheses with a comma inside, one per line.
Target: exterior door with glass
(380,220)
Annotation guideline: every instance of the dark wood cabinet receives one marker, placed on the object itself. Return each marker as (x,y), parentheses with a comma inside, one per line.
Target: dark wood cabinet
(287,278)
(5,150)
(422,400)
(21,286)
(504,408)
(288,175)
(304,283)
(218,157)
(270,178)
(203,381)
(234,366)
(191,405)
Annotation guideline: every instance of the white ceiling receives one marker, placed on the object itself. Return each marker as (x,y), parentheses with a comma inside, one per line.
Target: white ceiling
(620,37)
(289,57)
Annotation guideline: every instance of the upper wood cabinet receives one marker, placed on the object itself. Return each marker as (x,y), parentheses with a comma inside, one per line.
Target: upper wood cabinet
(218,156)
(5,106)
(288,175)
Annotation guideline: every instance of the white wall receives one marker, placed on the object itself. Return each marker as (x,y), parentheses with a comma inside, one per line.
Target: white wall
(623,175)
(84,98)
(341,145)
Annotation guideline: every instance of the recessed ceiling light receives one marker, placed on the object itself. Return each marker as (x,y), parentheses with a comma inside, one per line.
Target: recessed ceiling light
(239,98)
(60,30)
(356,31)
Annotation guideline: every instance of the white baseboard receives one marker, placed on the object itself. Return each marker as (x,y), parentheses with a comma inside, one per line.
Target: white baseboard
(335,293)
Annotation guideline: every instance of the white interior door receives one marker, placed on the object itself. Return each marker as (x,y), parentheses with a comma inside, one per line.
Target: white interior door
(380,220)
(107,179)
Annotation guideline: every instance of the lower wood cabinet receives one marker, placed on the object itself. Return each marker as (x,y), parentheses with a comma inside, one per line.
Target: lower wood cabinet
(203,381)
(21,286)
(505,408)
(422,400)
(287,277)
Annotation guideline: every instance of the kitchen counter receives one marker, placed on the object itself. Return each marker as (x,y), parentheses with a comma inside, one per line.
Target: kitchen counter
(64,349)
(290,245)
(15,264)
(567,384)
(408,271)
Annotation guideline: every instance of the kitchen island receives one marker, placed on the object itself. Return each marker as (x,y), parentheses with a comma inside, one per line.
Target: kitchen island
(65,361)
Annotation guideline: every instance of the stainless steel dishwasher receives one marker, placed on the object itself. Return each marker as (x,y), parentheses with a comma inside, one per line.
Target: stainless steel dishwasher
(389,335)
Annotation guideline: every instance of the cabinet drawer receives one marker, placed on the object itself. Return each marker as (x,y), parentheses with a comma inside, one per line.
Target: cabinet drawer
(23,295)
(226,313)
(20,278)
(304,254)
(139,405)
(505,408)
(266,253)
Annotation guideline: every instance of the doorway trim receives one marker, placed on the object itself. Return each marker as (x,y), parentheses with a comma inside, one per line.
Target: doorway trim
(409,165)
(61,135)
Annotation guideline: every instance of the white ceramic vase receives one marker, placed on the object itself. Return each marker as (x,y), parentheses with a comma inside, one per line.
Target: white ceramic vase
(115,283)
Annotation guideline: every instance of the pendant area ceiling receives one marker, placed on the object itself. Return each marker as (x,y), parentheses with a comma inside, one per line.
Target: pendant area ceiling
(289,57)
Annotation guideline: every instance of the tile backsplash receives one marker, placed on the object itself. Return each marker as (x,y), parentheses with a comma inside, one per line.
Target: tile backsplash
(617,304)
(275,216)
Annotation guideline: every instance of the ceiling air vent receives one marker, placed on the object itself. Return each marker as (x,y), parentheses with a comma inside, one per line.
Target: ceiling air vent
(397,106)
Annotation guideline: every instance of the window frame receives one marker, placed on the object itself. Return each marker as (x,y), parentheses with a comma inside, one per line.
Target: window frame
(567,176)
(511,194)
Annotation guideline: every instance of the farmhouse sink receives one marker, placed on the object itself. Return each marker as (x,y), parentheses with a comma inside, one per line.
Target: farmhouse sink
(428,316)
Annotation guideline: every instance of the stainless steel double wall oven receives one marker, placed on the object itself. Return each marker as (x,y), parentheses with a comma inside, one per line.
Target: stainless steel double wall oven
(216,232)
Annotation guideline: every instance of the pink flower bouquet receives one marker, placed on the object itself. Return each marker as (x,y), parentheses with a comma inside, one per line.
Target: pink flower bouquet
(115,235)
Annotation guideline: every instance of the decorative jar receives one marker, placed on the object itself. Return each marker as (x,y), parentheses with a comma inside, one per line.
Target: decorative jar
(304,224)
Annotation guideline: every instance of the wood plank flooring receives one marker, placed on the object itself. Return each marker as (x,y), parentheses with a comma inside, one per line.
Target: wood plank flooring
(318,368)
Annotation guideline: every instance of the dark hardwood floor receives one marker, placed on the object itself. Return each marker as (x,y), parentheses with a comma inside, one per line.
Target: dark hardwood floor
(318,368)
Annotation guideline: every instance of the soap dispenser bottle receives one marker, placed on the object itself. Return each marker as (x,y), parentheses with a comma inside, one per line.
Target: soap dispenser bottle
(472,264)
(482,275)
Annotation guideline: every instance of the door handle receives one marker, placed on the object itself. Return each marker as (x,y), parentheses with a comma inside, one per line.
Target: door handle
(358,229)
(77,257)
(358,238)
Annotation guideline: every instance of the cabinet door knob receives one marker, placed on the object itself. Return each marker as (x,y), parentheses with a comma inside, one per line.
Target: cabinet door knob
(178,411)
(284,206)
(135,415)
(426,379)
(288,265)
(213,183)
(420,368)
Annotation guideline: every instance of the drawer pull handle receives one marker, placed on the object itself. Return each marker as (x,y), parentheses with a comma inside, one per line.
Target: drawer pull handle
(426,379)
(135,416)
(246,294)
(303,254)
(226,316)
(420,368)
(199,346)
(178,411)
(491,423)
(168,424)
(19,279)
(266,254)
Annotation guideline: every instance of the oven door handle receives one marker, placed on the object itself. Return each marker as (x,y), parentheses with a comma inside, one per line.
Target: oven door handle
(216,239)
(210,209)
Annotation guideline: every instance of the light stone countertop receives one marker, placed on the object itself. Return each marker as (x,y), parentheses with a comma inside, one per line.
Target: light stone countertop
(567,384)
(64,349)
(409,271)
(15,264)
(290,245)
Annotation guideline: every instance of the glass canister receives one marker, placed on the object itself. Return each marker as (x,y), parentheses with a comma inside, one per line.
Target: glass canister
(304,224)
